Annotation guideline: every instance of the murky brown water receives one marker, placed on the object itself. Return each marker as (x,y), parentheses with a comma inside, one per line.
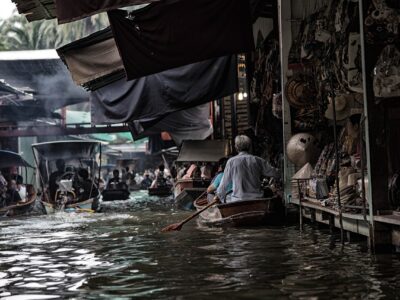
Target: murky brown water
(121,254)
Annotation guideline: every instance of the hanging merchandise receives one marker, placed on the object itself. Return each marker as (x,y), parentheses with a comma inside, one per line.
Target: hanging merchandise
(387,73)
(302,148)
(172,33)
(300,92)
(353,63)
(343,105)
(382,23)
(277,105)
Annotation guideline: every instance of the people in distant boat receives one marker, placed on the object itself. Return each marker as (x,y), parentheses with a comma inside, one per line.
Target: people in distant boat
(216,181)
(12,195)
(193,172)
(206,171)
(146,182)
(182,171)
(55,177)
(124,176)
(21,188)
(115,182)
(160,180)
(244,172)
(85,188)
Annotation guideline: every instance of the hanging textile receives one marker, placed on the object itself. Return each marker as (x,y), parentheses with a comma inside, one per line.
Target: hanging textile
(174,33)
(188,124)
(151,98)
(93,61)
(68,12)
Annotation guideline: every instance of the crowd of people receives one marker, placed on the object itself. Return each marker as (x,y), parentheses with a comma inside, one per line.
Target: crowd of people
(129,179)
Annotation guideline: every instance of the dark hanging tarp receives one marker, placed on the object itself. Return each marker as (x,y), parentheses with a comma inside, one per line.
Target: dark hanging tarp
(151,98)
(79,9)
(174,33)
(192,123)
(203,151)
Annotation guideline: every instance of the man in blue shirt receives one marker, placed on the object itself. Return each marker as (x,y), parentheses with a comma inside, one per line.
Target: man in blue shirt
(244,172)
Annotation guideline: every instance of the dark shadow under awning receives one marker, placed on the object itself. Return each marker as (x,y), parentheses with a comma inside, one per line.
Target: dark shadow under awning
(203,151)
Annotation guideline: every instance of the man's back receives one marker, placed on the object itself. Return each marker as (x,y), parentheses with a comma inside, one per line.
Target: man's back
(245,171)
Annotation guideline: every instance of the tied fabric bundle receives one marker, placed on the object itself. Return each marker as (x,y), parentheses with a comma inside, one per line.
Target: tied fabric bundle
(68,12)
(170,34)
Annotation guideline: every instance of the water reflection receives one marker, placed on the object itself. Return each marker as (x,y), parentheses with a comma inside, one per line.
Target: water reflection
(121,254)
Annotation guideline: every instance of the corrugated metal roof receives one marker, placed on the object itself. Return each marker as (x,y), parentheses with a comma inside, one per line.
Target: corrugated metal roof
(36,9)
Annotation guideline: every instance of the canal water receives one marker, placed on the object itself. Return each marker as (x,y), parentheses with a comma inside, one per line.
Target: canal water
(121,254)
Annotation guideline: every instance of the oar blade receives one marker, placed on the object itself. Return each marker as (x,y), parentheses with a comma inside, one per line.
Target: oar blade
(172,227)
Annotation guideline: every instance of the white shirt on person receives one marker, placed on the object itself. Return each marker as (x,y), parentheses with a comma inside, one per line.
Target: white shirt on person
(245,171)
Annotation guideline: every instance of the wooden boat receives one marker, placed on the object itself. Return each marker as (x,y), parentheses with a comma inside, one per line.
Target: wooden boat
(21,208)
(10,159)
(68,196)
(208,151)
(163,191)
(244,213)
(115,194)
(188,190)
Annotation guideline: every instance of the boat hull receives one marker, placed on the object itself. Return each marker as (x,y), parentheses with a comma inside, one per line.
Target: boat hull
(87,205)
(188,190)
(113,195)
(245,213)
(19,209)
(160,192)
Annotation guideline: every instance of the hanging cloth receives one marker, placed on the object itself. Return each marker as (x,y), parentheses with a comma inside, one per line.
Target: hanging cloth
(153,97)
(170,34)
(68,12)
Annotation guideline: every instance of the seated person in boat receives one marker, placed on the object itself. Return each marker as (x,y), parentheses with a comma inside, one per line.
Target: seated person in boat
(12,196)
(146,182)
(206,171)
(55,178)
(115,183)
(245,172)
(21,188)
(216,182)
(160,180)
(85,188)
(182,171)
(193,172)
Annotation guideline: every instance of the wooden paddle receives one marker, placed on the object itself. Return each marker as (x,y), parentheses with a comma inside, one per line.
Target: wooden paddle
(178,226)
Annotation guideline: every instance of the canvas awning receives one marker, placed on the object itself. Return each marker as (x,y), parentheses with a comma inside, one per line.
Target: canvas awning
(10,159)
(93,61)
(203,151)
(66,150)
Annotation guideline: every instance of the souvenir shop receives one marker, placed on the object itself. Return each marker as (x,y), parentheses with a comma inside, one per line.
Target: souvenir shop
(332,82)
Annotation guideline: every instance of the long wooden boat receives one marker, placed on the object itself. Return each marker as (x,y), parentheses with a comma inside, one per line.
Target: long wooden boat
(160,191)
(73,153)
(244,213)
(20,208)
(115,194)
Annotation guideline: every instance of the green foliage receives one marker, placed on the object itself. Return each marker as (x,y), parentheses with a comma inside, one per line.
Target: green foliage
(16,33)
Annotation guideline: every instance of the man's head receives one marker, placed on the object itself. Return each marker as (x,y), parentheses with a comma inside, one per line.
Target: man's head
(116,173)
(12,184)
(127,169)
(242,143)
(83,173)
(161,168)
(60,164)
